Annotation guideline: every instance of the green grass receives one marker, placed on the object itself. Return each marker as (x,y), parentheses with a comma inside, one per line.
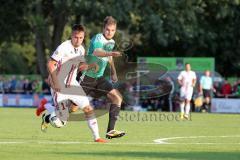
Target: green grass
(21,125)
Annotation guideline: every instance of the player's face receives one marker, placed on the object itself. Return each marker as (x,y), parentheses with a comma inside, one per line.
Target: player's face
(109,31)
(188,67)
(207,73)
(77,38)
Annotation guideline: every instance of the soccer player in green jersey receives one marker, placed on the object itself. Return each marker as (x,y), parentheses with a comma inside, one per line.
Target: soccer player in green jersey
(93,83)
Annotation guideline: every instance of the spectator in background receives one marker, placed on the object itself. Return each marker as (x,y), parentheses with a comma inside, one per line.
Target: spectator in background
(13,84)
(205,87)
(1,84)
(176,103)
(237,91)
(20,82)
(36,86)
(6,85)
(45,86)
(144,104)
(170,97)
(152,106)
(226,89)
(235,86)
(27,86)
(218,89)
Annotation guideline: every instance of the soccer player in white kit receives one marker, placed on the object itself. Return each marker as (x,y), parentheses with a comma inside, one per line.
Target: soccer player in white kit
(63,66)
(187,81)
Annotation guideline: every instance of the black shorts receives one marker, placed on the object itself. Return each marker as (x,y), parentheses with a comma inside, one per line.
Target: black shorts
(206,93)
(96,87)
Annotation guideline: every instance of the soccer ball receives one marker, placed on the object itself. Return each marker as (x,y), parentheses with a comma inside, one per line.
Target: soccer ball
(56,122)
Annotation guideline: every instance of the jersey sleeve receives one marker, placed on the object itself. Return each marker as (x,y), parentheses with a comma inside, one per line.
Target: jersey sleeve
(95,43)
(201,80)
(194,75)
(58,53)
(180,76)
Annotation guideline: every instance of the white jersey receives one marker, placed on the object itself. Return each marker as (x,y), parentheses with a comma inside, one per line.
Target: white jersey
(66,51)
(187,78)
(68,59)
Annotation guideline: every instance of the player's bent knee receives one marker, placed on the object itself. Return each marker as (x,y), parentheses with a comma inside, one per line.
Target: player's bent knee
(89,113)
(188,101)
(88,109)
(73,108)
(118,99)
(115,96)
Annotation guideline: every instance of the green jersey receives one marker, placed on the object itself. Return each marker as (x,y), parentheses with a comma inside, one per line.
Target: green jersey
(98,41)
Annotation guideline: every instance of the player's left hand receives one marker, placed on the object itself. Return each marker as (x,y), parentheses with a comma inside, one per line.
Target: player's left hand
(83,67)
(94,66)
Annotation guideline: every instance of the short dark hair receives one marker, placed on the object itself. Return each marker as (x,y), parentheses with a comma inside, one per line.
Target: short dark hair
(78,27)
(109,20)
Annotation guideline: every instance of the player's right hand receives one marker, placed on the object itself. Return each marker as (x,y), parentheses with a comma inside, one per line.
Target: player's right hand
(116,54)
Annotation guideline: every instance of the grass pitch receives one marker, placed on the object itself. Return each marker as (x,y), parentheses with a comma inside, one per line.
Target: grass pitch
(150,135)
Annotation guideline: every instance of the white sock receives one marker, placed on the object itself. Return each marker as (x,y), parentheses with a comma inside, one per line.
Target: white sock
(49,107)
(187,109)
(93,125)
(182,107)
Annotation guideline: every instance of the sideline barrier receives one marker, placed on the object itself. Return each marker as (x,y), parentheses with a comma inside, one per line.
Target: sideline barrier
(225,105)
(22,100)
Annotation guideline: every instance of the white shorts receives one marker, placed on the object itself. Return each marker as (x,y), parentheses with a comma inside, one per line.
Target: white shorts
(186,93)
(75,95)
(58,114)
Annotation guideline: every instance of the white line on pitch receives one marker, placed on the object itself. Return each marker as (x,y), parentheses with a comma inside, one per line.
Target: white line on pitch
(164,140)
(69,143)
(12,142)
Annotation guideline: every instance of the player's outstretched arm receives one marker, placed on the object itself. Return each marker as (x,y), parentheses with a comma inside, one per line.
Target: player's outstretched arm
(102,53)
(84,66)
(52,68)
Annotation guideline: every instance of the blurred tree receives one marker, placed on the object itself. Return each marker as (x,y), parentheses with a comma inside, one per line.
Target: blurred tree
(156,27)
(13,25)
(17,59)
(47,20)
(189,28)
